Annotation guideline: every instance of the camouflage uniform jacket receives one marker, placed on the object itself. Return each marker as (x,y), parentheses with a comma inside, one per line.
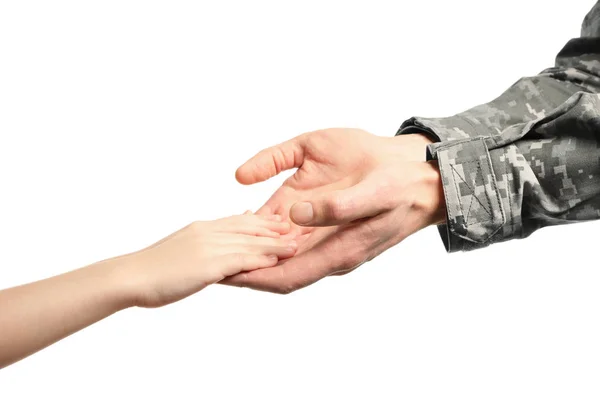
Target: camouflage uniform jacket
(528,159)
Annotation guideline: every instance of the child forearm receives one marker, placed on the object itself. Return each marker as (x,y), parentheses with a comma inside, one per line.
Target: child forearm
(38,314)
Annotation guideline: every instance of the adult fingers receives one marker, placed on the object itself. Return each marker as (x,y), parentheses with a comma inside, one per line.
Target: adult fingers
(334,250)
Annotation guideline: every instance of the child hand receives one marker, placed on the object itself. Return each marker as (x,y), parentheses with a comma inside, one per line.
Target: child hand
(203,253)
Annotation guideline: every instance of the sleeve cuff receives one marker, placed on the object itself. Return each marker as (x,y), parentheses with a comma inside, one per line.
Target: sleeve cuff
(443,129)
(474,210)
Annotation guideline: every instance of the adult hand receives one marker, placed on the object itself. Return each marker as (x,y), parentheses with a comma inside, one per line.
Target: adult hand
(353,196)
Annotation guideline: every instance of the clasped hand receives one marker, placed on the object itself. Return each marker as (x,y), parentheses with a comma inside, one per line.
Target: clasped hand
(353,196)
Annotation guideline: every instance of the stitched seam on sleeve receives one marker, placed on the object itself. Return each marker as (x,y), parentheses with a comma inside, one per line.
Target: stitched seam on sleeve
(508,192)
(495,188)
(454,174)
(487,196)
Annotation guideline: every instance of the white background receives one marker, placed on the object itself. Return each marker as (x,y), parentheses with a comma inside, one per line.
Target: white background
(122,121)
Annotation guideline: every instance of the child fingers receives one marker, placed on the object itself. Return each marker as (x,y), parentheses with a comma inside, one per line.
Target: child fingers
(263,245)
(261,231)
(276,225)
(236,243)
(264,232)
(256,225)
(259,241)
(280,252)
(279,227)
(235,263)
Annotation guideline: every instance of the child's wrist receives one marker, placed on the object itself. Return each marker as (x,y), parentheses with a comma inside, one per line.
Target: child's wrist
(116,278)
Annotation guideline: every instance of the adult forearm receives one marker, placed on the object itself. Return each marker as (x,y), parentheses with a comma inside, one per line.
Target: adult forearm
(35,315)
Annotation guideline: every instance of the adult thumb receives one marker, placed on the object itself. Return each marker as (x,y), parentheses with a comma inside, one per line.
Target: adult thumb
(338,206)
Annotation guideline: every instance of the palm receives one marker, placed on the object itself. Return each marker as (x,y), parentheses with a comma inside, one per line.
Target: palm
(322,171)
(328,163)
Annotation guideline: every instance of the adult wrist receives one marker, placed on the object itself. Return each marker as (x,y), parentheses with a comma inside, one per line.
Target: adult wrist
(430,198)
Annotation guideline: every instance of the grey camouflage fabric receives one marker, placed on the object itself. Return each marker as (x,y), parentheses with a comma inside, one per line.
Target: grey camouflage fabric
(528,159)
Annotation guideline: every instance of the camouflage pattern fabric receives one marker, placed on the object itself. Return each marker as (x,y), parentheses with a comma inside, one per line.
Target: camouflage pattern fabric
(528,159)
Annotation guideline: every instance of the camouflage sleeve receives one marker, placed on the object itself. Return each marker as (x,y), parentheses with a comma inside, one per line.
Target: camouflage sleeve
(528,159)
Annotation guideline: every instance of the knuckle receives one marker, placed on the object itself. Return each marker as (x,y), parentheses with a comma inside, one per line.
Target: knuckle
(345,265)
(316,138)
(279,158)
(352,261)
(285,289)
(287,286)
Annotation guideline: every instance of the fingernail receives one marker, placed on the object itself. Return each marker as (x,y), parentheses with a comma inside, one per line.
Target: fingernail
(273,258)
(293,244)
(302,213)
